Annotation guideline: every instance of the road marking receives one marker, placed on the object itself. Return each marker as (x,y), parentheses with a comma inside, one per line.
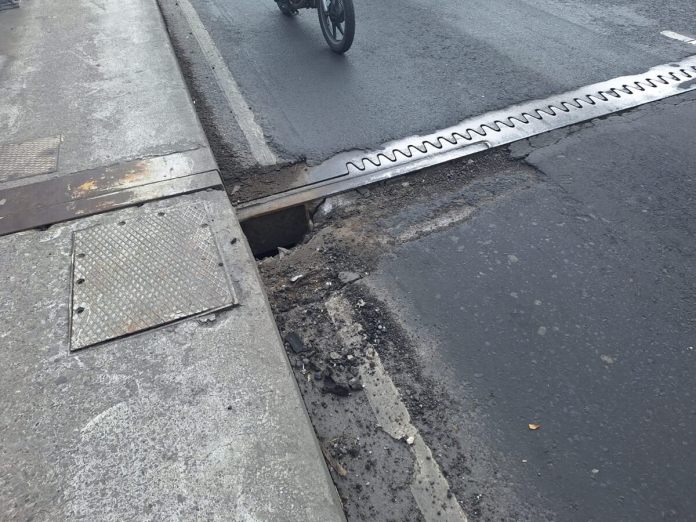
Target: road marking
(680,37)
(456,215)
(429,486)
(242,113)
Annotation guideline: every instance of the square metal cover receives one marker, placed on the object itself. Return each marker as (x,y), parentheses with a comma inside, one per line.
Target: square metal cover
(20,160)
(145,272)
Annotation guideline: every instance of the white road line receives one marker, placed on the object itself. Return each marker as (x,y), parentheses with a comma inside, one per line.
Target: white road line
(680,37)
(429,487)
(245,118)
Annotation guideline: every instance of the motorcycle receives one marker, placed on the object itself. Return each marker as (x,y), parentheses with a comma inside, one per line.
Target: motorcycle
(336,17)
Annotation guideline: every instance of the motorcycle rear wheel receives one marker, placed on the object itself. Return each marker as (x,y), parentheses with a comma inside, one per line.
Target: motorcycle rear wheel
(337,20)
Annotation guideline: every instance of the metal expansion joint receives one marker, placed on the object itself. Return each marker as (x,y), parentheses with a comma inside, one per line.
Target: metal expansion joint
(349,170)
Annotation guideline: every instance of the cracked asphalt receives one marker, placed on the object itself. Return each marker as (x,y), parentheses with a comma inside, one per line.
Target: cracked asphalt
(571,304)
(551,283)
(547,284)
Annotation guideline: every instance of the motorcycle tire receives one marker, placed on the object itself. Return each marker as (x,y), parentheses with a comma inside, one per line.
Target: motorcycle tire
(339,35)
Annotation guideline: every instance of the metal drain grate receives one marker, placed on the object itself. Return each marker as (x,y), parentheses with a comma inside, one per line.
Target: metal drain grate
(349,170)
(20,160)
(135,275)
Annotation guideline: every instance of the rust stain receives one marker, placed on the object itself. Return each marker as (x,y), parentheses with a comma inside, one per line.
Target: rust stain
(134,176)
(132,328)
(86,187)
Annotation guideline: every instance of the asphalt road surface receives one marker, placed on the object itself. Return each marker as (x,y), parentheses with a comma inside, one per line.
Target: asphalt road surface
(550,283)
(554,286)
(572,304)
(420,66)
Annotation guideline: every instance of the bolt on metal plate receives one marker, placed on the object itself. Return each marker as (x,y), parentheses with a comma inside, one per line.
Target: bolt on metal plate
(145,272)
(21,160)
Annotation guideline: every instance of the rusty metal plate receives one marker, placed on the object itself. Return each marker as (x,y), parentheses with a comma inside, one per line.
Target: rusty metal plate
(21,160)
(145,272)
(105,188)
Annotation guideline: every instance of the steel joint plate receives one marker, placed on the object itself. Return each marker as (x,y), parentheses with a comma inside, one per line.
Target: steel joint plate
(141,273)
(105,188)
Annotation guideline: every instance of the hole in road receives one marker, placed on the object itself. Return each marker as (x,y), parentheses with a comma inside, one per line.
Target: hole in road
(285,228)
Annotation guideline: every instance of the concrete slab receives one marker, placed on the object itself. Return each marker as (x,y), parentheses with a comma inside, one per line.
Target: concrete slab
(199,420)
(101,74)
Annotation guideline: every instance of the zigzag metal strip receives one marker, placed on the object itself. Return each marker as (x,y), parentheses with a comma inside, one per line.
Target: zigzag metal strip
(454,136)
(349,170)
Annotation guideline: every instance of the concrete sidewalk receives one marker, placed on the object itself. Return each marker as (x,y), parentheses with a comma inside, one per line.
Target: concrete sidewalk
(141,373)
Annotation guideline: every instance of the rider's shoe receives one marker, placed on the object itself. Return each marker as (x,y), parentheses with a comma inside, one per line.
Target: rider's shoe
(285,8)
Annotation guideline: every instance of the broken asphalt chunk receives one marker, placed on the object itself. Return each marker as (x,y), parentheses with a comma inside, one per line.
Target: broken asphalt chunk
(348,277)
(337,388)
(296,343)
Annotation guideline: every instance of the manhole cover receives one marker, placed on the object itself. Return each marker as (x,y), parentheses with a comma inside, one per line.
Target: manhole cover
(20,160)
(142,273)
